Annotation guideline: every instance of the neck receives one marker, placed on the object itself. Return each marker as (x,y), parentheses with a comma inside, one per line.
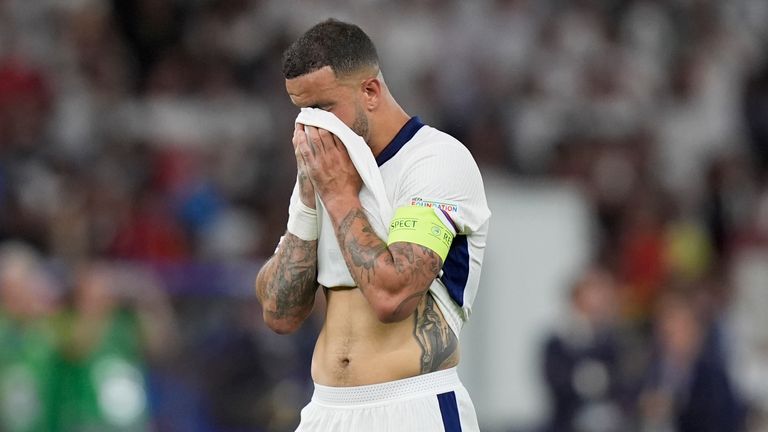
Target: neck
(386,125)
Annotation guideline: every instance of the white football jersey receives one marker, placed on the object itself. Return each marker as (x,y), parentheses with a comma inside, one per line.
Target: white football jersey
(426,167)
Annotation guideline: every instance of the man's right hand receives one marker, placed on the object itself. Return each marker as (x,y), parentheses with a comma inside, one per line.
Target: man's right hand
(306,189)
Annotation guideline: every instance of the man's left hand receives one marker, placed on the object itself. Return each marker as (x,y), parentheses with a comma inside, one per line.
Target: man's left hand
(329,166)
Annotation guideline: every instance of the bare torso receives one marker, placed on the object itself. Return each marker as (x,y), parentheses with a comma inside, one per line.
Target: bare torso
(354,348)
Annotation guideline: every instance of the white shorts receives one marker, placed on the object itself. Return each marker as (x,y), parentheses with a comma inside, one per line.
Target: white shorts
(432,402)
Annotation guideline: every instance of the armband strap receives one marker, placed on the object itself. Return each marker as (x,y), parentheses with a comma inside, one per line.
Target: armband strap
(421,225)
(302,221)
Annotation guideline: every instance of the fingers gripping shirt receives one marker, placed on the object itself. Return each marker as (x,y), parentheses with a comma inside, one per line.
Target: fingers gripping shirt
(426,168)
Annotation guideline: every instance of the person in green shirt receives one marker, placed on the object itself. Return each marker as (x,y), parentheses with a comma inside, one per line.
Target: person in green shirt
(27,341)
(101,375)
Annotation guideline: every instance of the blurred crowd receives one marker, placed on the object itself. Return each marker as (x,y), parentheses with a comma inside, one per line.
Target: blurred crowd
(145,162)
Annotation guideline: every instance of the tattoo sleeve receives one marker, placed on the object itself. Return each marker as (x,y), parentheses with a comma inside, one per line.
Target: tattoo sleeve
(361,252)
(287,283)
(437,341)
(408,268)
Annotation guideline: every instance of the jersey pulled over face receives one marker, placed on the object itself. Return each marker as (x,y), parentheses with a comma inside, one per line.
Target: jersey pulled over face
(324,90)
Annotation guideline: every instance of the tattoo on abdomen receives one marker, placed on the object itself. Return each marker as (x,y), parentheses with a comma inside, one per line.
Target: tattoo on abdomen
(437,341)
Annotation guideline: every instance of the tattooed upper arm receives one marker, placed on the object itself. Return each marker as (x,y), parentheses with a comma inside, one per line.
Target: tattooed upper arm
(421,262)
(418,266)
(393,278)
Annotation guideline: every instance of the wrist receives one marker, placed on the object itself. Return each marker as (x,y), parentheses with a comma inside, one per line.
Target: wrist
(338,207)
(302,221)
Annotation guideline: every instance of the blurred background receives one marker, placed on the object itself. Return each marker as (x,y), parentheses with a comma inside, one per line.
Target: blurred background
(146,165)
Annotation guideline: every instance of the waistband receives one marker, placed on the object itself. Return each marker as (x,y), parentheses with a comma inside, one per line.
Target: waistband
(421,385)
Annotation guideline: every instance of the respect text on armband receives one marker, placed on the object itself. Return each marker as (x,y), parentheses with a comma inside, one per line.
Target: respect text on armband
(403,224)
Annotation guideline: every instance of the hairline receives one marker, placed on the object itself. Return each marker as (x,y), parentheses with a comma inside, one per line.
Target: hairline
(345,78)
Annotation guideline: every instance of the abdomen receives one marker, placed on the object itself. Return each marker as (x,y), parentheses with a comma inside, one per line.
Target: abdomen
(354,348)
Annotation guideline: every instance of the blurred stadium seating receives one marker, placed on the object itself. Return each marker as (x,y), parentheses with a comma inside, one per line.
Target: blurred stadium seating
(145,167)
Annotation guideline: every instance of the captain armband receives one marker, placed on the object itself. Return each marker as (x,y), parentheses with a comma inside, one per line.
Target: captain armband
(423,226)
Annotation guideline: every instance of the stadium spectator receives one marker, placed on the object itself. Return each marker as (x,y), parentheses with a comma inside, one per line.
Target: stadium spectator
(582,359)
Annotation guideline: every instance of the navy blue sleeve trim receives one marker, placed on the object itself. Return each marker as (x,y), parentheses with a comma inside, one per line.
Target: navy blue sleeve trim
(456,269)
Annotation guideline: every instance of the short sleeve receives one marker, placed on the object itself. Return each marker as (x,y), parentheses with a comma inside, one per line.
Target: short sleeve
(445,176)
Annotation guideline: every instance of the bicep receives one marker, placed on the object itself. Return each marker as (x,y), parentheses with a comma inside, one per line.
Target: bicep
(417,261)
(417,267)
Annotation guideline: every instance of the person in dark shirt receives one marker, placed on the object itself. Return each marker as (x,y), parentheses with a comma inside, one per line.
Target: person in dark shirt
(687,386)
(581,359)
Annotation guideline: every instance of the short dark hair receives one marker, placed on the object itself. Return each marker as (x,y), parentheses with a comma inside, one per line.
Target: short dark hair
(342,46)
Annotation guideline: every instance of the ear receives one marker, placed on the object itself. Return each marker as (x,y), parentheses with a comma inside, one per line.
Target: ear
(372,89)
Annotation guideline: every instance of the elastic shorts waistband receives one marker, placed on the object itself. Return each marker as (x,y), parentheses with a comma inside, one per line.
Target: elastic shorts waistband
(431,383)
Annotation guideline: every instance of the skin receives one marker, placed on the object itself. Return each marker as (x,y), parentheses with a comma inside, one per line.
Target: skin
(387,327)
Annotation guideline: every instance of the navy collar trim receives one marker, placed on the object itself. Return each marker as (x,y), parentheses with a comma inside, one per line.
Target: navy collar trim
(403,136)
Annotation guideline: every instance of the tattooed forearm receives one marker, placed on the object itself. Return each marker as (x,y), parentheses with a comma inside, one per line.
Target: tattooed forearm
(366,254)
(437,341)
(286,285)
(361,252)
(394,277)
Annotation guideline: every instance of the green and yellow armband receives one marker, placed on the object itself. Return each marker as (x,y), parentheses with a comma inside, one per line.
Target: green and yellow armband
(421,225)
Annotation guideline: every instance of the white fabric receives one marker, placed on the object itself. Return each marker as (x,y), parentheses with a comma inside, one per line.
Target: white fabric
(405,405)
(431,169)
(302,220)
(331,268)
(435,169)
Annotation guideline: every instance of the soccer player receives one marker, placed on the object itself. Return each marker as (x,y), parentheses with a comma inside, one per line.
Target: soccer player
(386,357)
